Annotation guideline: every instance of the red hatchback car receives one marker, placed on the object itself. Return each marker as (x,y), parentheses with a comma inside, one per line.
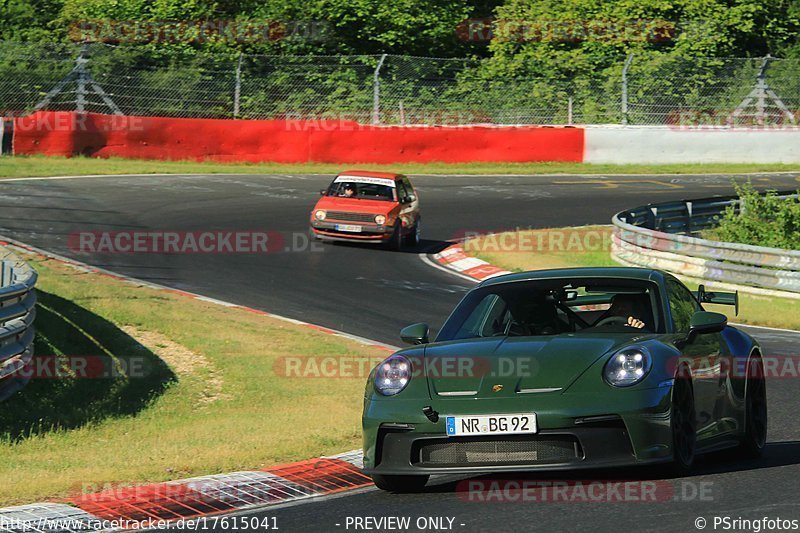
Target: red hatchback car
(363,206)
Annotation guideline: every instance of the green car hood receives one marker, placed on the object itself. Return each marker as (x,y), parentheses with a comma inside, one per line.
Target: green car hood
(498,367)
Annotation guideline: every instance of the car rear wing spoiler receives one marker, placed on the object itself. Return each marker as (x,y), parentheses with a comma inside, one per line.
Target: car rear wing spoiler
(716,297)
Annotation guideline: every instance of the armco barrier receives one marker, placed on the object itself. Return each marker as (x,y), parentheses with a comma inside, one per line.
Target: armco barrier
(284,141)
(17,311)
(660,236)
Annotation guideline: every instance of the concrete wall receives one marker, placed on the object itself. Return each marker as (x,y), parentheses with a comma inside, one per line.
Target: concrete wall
(666,145)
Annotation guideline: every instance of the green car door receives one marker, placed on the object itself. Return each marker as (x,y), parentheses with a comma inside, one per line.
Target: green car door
(706,354)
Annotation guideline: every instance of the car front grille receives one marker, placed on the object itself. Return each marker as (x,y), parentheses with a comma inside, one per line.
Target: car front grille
(350,217)
(496,451)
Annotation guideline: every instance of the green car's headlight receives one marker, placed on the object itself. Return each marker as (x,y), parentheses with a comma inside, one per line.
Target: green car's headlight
(392,375)
(628,366)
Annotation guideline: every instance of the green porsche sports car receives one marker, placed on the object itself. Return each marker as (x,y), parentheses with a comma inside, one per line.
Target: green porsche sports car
(563,369)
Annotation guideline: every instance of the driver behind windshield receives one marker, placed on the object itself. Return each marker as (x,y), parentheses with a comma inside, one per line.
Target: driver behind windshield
(362,191)
(537,316)
(628,307)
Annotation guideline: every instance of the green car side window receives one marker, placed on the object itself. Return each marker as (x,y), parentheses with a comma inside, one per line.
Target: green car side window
(487,319)
(682,305)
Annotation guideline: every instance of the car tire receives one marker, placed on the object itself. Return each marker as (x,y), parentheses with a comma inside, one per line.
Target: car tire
(413,237)
(755,416)
(396,241)
(683,421)
(400,483)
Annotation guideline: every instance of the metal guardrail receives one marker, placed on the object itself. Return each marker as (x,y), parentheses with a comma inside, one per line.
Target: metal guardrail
(662,235)
(17,313)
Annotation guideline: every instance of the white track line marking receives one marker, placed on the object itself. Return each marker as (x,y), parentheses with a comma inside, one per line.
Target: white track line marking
(739,324)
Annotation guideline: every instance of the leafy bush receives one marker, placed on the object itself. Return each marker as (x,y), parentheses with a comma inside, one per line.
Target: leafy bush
(760,219)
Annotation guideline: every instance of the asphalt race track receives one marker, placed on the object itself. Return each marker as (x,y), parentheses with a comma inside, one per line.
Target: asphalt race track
(373,292)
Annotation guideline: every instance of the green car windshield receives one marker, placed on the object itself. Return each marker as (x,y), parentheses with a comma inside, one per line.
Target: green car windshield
(555,307)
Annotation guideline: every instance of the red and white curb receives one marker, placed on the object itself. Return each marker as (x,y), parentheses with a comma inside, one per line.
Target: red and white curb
(155,505)
(147,506)
(455,259)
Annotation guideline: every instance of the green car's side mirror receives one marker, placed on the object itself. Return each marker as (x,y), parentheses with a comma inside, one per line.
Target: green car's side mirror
(707,322)
(704,322)
(415,334)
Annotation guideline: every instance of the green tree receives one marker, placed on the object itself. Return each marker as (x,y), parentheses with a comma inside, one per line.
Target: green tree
(30,20)
(415,27)
(760,220)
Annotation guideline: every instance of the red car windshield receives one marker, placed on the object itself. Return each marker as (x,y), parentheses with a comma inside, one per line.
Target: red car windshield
(366,191)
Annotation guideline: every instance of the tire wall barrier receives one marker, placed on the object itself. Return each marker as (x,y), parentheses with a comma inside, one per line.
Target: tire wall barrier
(660,236)
(67,134)
(654,145)
(17,313)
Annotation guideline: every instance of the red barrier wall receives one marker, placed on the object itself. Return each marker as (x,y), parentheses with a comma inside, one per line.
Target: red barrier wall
(66,134)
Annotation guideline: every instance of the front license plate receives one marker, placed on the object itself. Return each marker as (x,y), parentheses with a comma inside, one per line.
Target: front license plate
(491,424)
(348,227)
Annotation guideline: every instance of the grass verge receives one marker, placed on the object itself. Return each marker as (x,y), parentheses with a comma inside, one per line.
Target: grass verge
(200,393)
(22,166)
(590,246)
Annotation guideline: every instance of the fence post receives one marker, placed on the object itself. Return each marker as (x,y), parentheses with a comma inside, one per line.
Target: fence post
(376,92)
(690,215)
(7,276)
(625,89)
(569,111)
(760,93)
(82,79)
(237,90)
(80,94)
